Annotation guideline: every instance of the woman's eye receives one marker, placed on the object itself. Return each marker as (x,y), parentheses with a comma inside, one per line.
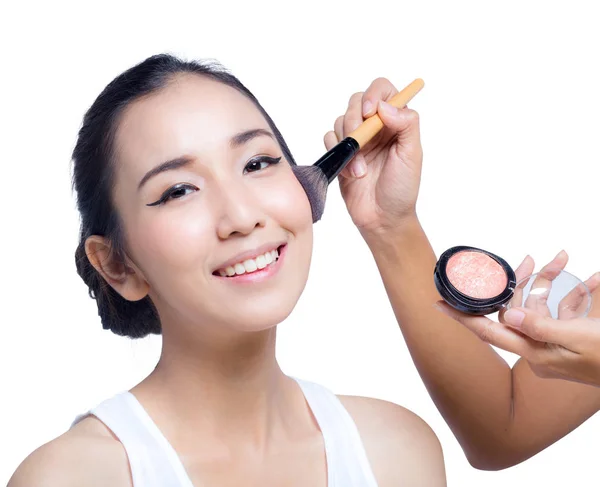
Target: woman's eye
(256,166)
(179,192)
(260,163)
(174,192)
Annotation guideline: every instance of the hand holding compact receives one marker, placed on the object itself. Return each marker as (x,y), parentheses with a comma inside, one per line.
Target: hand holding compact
(566,347)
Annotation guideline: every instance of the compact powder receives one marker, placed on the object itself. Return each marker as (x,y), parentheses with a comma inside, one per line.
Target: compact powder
(474,281)
(476,274)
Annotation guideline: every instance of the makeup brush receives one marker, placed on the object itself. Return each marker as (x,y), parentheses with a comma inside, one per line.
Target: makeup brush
(315,179)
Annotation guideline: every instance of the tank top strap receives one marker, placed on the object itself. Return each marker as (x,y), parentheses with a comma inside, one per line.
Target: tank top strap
(152,460)
(347,461)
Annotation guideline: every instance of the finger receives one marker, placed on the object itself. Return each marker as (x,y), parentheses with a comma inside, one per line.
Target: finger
(338,127)
(568,334)
(549,272)
(357,168)
(542,284)
(577,301)
(593,282)
(491,332)
(574,303)
(404,122)
(570,305)
(379,89)
(353,117)
(525,268)
(333,138)
(330,140)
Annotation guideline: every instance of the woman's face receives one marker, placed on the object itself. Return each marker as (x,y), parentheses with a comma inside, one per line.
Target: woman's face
(201,195)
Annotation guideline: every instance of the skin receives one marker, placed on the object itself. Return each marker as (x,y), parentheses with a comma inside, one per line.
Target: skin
(500,416)
(217,393)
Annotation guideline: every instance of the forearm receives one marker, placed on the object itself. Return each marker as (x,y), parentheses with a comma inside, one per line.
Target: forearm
(469,383)
(491,409)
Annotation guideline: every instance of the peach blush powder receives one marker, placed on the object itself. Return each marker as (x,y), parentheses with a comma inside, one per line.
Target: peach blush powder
(476,274)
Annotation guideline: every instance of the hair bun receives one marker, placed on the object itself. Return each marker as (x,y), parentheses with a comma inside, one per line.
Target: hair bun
(134,319)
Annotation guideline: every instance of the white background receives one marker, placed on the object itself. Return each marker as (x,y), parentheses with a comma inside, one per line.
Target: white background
(510,131)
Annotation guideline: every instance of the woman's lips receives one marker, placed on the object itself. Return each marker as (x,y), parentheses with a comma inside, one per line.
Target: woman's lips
(258,275)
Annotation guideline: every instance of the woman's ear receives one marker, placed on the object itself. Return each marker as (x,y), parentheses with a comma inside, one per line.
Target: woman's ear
(124,279)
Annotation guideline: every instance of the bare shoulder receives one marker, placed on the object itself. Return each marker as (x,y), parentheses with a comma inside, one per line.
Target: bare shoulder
(401,447)
(87,454)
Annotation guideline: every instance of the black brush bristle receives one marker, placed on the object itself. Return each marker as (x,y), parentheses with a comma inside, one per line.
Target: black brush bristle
(315,183)
(316,178)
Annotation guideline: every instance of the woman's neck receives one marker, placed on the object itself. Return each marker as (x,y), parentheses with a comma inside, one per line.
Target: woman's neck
(230,388)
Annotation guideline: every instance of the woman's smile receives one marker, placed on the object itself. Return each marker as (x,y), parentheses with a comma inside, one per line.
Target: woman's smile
(264,265)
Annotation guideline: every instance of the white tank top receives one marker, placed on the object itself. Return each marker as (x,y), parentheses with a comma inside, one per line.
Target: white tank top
(154,463)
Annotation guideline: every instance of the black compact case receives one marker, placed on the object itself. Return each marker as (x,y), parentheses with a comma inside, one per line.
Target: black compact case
(467,304)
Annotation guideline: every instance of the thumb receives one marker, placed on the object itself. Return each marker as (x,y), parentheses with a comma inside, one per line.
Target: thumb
(405,122)
(544,329)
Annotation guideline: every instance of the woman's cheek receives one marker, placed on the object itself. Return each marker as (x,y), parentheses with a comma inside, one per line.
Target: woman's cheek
(174,237)
(288,203)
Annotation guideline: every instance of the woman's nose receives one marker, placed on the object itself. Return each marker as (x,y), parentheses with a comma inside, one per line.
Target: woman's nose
(240,211)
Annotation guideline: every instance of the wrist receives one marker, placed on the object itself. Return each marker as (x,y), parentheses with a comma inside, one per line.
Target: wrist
(385,238)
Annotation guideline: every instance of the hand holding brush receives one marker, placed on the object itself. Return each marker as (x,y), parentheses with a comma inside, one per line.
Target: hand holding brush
(370,126)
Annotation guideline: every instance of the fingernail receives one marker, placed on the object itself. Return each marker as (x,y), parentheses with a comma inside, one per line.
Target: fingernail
(387,108)
(359,169)
(514,318)
(367,107)
(562,253)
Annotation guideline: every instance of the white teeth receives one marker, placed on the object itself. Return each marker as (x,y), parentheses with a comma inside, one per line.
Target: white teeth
(261,262)
(250,265)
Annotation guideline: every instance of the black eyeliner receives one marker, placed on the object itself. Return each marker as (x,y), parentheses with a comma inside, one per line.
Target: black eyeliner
(169,192)
(269,159)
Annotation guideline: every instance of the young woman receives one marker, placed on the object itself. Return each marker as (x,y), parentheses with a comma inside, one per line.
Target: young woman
(194,226)
(500,416)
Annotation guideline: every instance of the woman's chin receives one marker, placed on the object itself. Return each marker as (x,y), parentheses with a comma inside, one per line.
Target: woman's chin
(260,311)
(254,320)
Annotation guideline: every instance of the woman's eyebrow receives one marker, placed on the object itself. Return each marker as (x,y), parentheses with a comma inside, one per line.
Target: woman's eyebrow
(248,135)
(236,141)
(165,166)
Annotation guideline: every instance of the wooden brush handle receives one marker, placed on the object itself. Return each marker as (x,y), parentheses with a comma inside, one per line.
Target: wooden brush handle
(372,125)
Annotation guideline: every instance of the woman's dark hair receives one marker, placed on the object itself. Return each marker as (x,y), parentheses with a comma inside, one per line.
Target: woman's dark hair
(93,174)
